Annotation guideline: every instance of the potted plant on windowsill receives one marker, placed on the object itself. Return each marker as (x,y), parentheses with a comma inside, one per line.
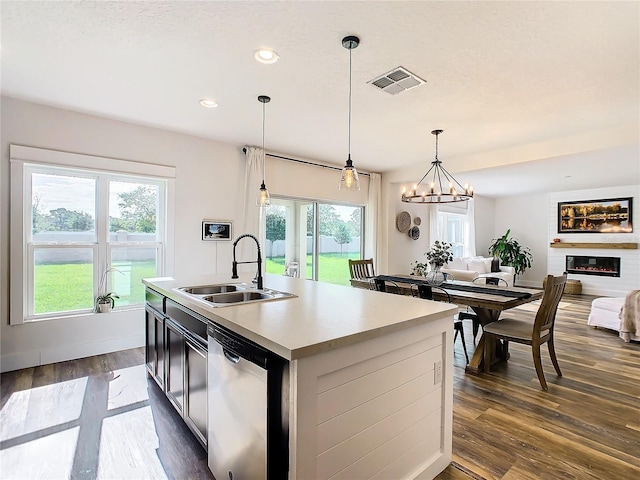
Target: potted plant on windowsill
(104,303)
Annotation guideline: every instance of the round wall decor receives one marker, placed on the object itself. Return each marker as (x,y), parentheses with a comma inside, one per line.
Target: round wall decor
(414,233)
(417,221)
(403,222)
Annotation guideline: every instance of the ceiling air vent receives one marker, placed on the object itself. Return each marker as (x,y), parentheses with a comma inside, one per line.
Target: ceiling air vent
(396,81)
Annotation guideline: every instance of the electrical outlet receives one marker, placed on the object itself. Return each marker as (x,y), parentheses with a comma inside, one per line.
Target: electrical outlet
(437,373)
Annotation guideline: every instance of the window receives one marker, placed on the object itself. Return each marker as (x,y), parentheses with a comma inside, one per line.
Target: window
(452,229)
(313,240)
(83,232)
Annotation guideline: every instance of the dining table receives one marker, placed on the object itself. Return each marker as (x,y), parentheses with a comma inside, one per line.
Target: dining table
(486,301)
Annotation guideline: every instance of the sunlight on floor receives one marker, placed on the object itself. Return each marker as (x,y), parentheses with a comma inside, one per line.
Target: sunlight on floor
(128,386)
(81,429)
(127,456)
(49,457)
(39,408)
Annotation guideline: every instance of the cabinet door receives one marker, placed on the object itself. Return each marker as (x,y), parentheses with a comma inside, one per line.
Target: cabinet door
(159,347)
(150,341)
(196,383)
(174,341)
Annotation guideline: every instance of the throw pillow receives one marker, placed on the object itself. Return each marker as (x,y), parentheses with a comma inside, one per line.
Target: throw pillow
(487,264)
(495,265)
(477,266)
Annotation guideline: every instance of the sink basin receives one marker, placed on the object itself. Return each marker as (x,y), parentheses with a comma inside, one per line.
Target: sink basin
(225,294)
(237,297)
(209,289)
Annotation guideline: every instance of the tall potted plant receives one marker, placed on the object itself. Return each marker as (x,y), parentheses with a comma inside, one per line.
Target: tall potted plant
(509,251)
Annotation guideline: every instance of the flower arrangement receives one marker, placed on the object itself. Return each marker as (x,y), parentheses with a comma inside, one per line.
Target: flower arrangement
(437,256)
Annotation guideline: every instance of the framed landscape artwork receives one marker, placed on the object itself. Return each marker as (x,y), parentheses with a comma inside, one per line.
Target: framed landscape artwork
(611,215)
(216,230)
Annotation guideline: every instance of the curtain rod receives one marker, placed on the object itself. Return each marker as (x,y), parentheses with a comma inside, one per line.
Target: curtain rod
(244,150)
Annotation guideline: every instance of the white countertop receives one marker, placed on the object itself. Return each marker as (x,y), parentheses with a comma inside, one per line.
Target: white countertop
(321,317)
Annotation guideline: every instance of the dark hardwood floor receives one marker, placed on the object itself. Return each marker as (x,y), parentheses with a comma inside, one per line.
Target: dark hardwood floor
(100,417)
(587,426)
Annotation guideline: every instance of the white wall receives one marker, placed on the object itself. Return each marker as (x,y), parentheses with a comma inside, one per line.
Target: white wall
(527,218)
(629,259)
(209,184)
(485,211)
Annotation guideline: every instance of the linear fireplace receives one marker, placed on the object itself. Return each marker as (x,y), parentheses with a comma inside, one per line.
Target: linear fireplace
(589,265)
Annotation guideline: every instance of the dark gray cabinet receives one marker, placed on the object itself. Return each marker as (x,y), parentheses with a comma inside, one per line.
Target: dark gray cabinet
(154,333)
(186,357)
(175,364)
(176,356)
(196,388)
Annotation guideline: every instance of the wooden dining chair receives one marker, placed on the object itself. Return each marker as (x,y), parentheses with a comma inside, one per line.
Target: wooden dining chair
(361,268)
(528,332)
(426,292)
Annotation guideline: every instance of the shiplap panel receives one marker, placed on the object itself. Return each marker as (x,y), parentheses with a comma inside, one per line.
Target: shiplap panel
(383,458)
(345,375)
(358,446)
(347,396)
(344,426)
(429,447)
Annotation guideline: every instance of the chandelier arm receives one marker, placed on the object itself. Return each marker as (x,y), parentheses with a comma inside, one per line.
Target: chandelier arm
(451,178)
(425,175)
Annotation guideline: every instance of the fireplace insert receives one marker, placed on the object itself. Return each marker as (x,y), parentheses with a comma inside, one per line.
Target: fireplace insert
(589,265)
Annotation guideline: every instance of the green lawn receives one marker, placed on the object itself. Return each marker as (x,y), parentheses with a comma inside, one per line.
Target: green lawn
(332,267)
(63,287)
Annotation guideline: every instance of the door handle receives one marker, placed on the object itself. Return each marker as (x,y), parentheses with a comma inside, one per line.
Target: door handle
(229,356)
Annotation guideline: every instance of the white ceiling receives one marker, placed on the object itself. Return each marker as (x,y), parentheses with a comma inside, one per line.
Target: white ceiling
(509,82)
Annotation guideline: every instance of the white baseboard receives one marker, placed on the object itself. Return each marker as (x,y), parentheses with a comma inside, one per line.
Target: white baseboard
(63,353)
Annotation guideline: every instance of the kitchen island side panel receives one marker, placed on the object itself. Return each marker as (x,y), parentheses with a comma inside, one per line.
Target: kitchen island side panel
(375,409)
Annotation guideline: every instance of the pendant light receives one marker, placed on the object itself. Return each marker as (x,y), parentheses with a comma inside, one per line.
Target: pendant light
(434,191)
(263,199)
(349,175)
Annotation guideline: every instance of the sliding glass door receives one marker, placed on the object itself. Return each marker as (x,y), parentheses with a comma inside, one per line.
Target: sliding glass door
(312,240)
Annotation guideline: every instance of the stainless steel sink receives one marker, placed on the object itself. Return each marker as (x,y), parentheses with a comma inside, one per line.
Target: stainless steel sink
(221,295)
(237,297)
(209,289)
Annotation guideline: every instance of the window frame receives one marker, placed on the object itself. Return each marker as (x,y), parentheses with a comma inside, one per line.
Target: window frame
(25,161)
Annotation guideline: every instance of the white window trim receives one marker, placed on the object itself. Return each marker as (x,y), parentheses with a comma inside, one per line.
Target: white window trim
(20,156)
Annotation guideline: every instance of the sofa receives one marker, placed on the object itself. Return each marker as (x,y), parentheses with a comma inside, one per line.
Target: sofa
(606,313)
(469,268)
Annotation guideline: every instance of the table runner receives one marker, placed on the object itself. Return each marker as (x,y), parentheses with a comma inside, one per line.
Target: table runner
(456,286)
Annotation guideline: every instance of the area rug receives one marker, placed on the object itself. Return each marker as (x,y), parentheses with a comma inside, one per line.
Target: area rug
(535,305)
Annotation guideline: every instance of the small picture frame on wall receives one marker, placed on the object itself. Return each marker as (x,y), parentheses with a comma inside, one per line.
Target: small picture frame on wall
(216,230)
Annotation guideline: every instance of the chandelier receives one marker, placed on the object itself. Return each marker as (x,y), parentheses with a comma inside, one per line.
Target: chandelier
(443,187)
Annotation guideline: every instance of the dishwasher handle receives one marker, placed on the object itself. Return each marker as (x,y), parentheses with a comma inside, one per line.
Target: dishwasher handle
(230,356)
(234,346)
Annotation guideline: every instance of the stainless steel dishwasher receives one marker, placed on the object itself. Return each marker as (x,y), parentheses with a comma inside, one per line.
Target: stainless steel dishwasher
(248,408)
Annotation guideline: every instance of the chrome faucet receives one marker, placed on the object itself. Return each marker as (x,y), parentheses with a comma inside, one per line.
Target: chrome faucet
(259,261)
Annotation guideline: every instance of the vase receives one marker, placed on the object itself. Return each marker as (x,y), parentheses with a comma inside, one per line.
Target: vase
(435,276)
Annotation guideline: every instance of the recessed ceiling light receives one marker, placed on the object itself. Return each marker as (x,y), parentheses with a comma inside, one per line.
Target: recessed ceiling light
(208,103)
(266,55)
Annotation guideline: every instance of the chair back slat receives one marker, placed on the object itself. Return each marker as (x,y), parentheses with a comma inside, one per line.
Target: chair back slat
(361,268)
(546,315)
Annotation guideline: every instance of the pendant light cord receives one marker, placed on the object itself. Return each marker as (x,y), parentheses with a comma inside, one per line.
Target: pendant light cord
(350,103)
(263,155)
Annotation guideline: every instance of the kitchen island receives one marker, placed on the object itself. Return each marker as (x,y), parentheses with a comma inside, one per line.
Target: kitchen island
(368,382)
